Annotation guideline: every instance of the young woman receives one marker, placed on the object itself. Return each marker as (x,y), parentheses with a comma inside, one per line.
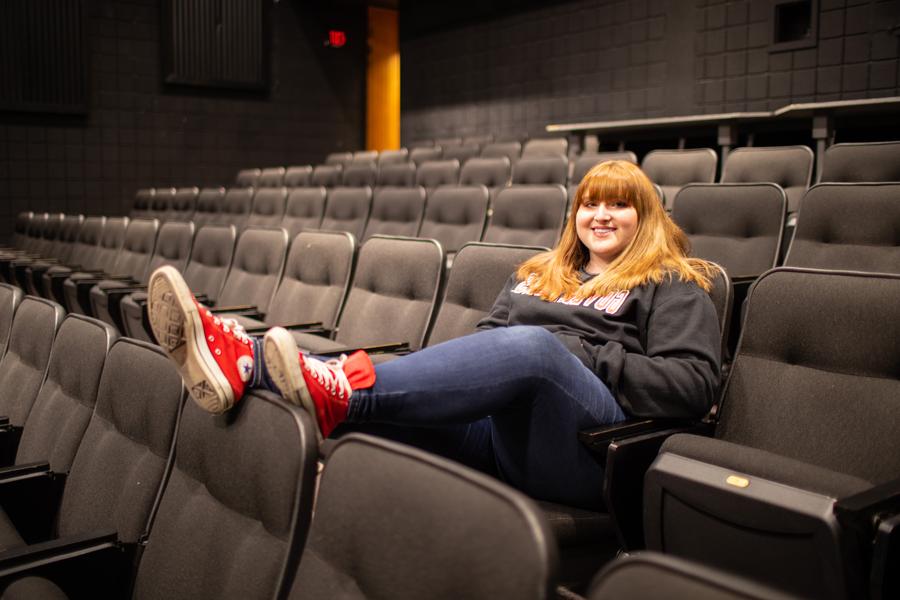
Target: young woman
(614,322)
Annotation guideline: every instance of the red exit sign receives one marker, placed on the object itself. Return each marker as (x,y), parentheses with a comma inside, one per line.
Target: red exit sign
(336,38)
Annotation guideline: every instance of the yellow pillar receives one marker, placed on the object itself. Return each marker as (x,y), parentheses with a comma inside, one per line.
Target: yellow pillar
(383,81)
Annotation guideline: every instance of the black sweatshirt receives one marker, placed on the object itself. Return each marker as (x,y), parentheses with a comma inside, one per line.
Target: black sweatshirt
(656,347)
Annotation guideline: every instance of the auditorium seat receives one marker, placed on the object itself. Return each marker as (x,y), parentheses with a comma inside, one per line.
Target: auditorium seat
(494,173)
(478,275)
(655,576)
(314,285)
(20,226)
(60,414)
(255,271)
(448,141)
(235,208)
(298,176)
(10,297)
(510,150)
(209,204)
(789,166)
(397,174)
(461,152)
(361,156)
(421,155)
(62,244)
(737,225)
(391,157)
(481,139)
(848,226)
(359,174)
(392,299)
(339,158)
(538,169)
(396,211)
(82,256)
(673,169)
(455,215)
(161,204)
(205,273)
(268,207)
(183,204)
(271,177)
(24,364)
(433,173)
(530,215)
(347,209)
(552,146)
(140,208)
(304,209)
(247,177)
(392,521)
(327,175)
(871,161)
(585,162)
(173,247)
(130,264)
(806,450)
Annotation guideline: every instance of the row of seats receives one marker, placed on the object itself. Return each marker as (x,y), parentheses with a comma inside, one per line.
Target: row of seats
(782,476)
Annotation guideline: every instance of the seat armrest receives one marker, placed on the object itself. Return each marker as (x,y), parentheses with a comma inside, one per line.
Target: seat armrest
(9,443)
(292,327)
(4,420)
(27,470)
(598,439)
(627,459)
(124,291)
(881,499)
(377,349)
(30,496)
(232,309)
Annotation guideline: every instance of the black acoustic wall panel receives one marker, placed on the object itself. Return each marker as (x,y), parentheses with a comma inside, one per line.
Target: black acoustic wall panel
(42,56)
(216,43)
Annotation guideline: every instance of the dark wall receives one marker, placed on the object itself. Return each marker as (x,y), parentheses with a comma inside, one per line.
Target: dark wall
(511,73)
(140,133)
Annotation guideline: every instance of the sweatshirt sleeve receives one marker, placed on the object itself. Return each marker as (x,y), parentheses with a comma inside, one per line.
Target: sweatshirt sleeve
(679,374)
(499,315)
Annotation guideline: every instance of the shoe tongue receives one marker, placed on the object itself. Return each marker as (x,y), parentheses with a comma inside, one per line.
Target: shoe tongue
(359,370)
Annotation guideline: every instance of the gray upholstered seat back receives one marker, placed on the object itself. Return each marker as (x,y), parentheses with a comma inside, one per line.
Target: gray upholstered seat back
(23,366)
(241,489)
(20,227)
(494,543)
(391,157)
(247,177)
(134,257)
(673,169)
(84,250)
(235,207)
(873,161)
(271,177)
(316,279)
(173,246)
(347,209)
(490,172)
(140,208)
(256,269)
(541,170)
(397,174)
(817,363)
(552,146)
(455,215)
(268,207)
(327,175)
(422,155)
(478,275)
(529,215)
(722,296)
(589,160)
(209,204)
(68,236)
(210,260)
(737,225)
(394,292)
(437,172)
(360,173)
(124,454)
(304,209)
(161,203)
(111,242)
(396,211)
(63,407)
(848,226)
(339,158)
(49,234)
(788,166)
(10,297)
(461,152)
(298,176)
(511,150)
(183,204)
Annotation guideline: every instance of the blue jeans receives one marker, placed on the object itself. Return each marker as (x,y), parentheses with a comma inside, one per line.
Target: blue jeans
(507,401)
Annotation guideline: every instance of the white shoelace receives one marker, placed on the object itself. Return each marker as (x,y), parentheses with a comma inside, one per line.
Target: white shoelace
(330,374)
(236,329)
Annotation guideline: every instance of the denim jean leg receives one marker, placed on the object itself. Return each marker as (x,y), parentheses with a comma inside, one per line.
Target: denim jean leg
(537,394)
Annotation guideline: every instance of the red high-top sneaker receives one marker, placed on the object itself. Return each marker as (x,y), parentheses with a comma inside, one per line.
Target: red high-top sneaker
(322,388)
(213,355)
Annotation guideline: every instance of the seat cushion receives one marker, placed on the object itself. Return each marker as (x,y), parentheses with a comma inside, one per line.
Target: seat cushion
(34,587)
(767,465)
(9,535)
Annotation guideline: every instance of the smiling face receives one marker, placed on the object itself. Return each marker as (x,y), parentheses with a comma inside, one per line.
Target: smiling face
(605,227)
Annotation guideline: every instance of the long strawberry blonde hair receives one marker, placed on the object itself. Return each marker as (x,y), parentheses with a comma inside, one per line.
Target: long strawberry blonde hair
(657,252)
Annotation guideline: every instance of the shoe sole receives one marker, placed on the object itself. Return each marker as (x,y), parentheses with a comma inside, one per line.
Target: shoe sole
(175,320)
(283,365)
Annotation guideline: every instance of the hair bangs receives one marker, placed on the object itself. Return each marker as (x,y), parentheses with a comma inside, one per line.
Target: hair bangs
(606,182)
